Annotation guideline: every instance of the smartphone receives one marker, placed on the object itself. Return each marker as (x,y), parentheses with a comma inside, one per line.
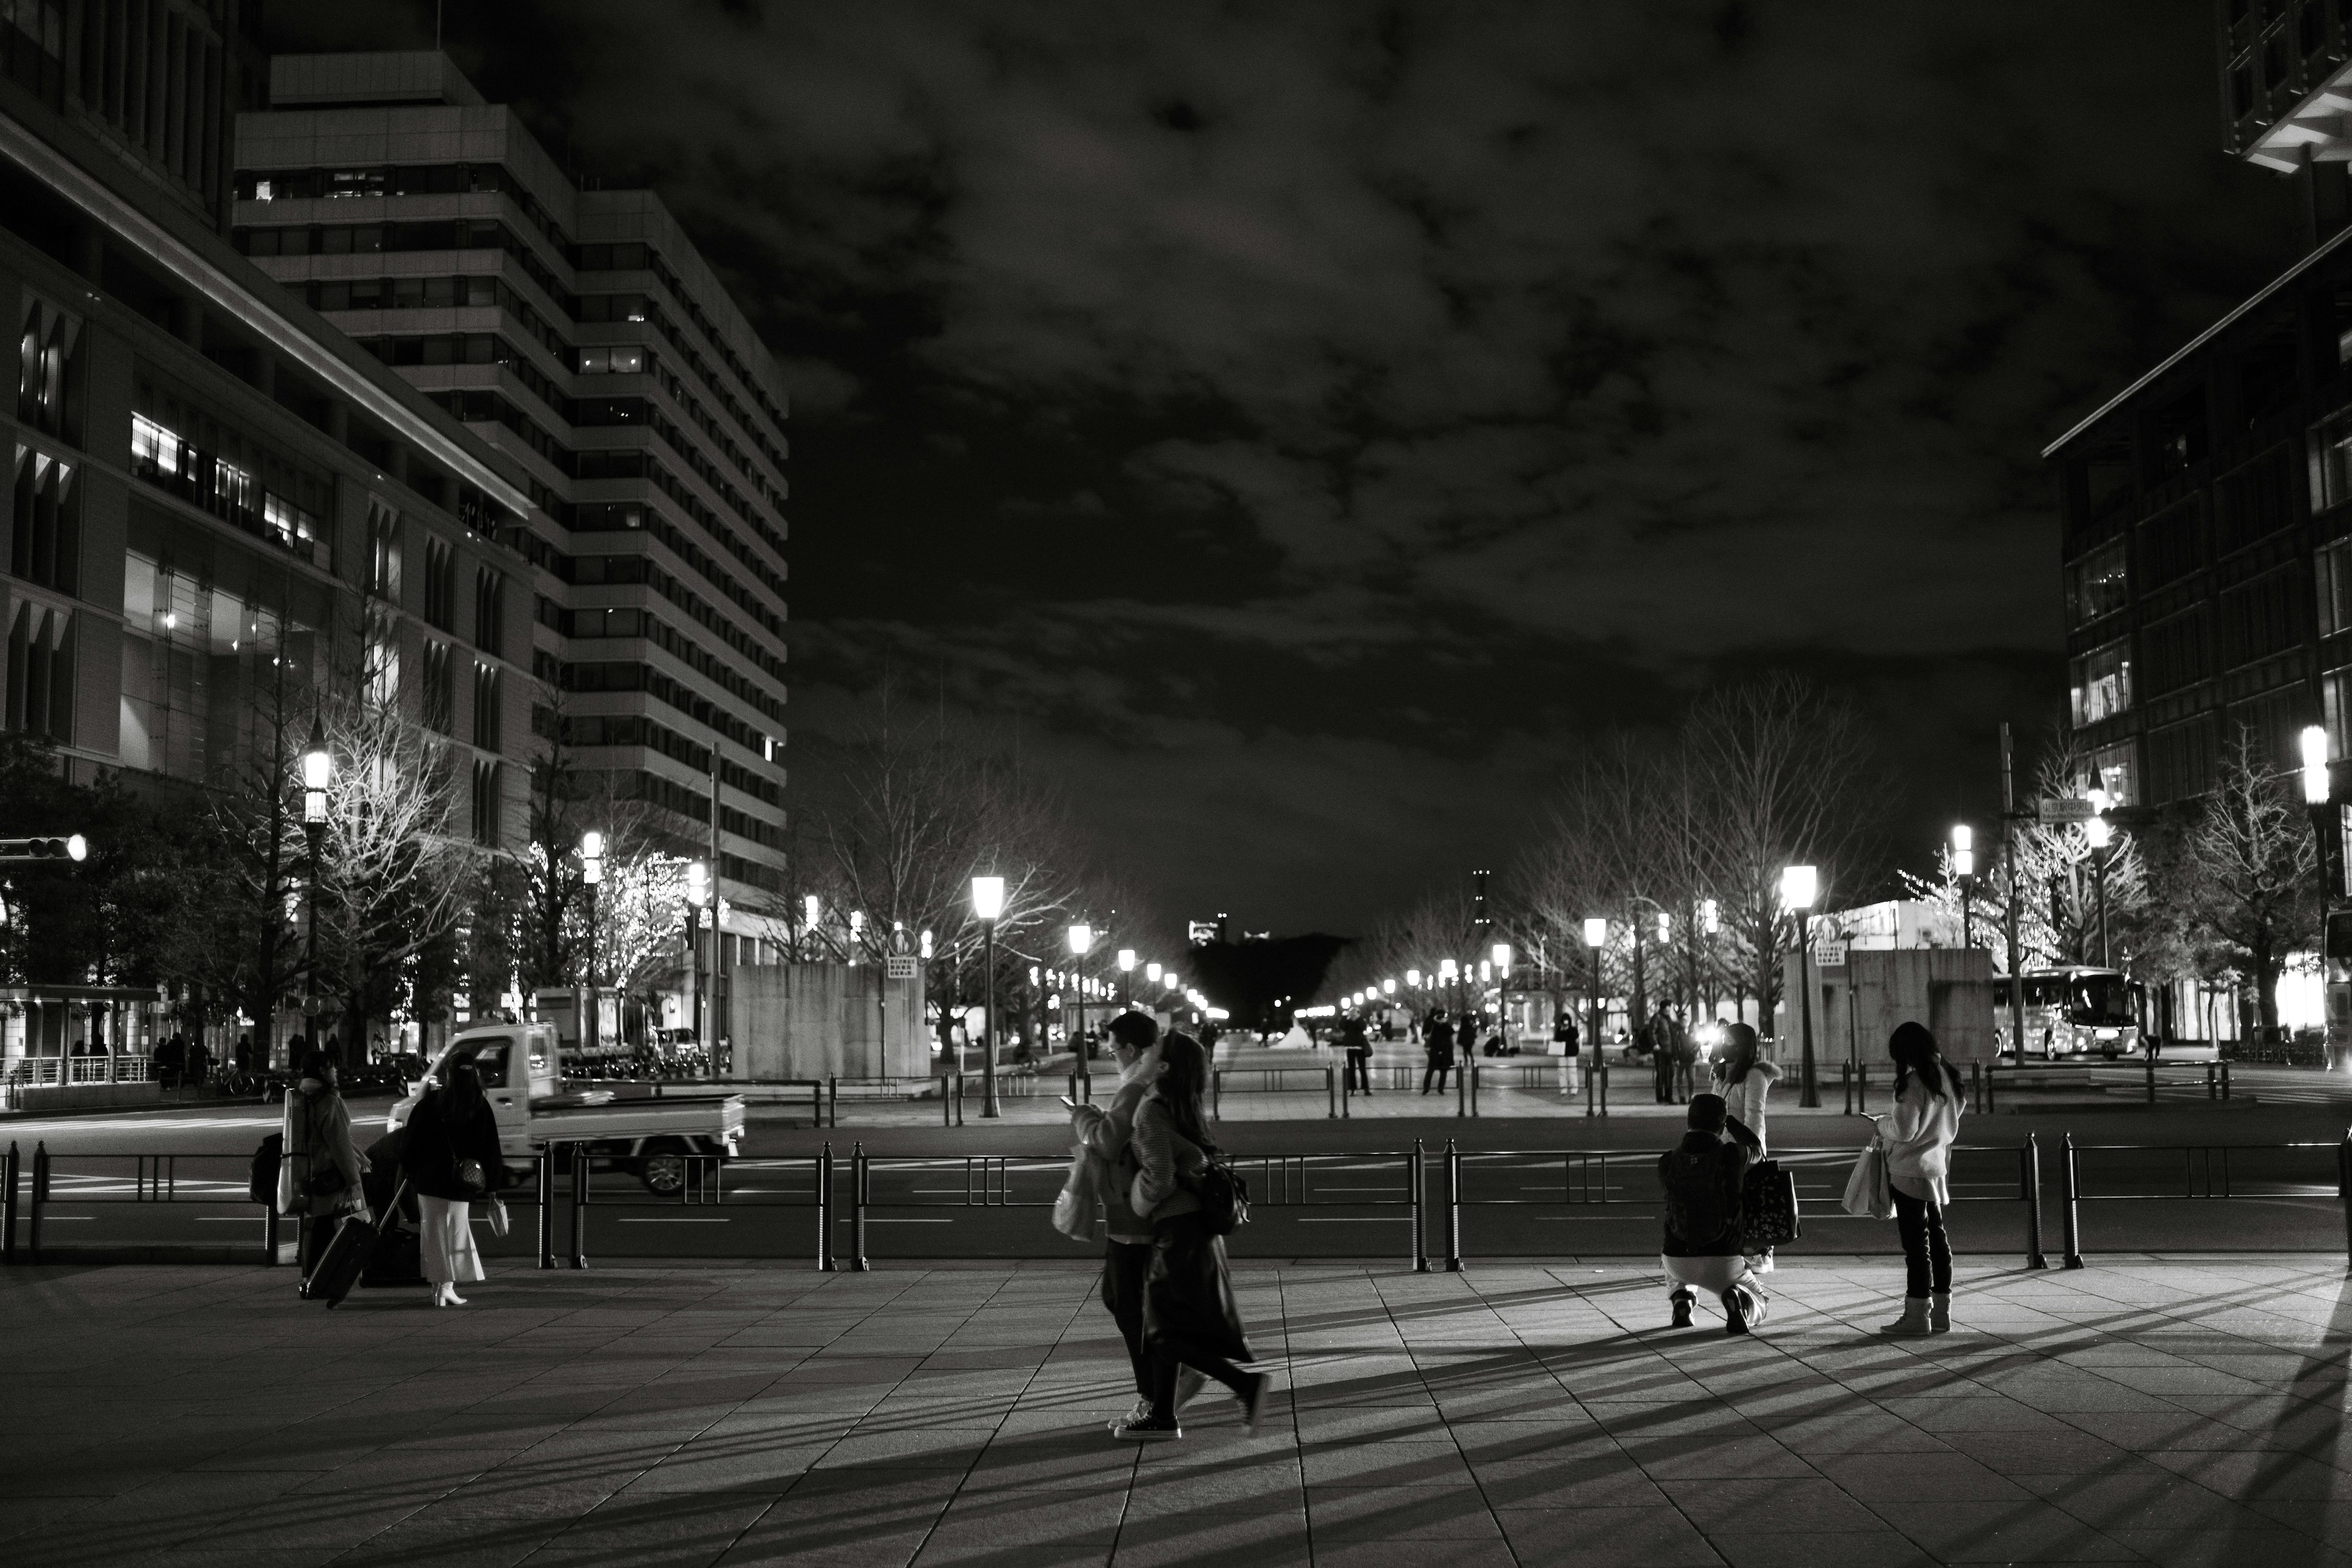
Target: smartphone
(1068,1101)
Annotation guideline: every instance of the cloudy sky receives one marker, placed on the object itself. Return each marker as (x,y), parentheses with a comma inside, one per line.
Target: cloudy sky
(1305,426)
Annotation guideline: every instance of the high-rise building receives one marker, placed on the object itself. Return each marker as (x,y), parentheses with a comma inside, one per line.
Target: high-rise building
(213,492)
(2207,508)
(578,332)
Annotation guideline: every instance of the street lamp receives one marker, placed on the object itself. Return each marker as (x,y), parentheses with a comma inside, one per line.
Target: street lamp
(318,772)
(697,893)
(2316,792)
(1799,885)
(987,903)
(1126,977)
(1151,973)
(1710,920)
(1082,941)
(591,875)
(2096,834)
(1596,937)
(1963,871)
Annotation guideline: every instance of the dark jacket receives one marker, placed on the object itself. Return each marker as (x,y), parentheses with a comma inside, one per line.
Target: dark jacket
(1354,1039)
(1703,1176)
(436,1142)
(1437,1039)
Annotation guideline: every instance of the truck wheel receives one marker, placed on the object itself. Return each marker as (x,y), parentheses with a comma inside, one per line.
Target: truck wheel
(663,1169)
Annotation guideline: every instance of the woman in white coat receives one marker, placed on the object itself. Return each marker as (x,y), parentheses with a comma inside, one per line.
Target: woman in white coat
(1919,1137)
(1743,1081)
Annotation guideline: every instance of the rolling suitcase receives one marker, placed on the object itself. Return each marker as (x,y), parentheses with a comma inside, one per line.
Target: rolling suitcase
(347,1256)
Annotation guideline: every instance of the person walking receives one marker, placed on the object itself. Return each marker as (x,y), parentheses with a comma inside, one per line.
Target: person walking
(320,1169)
(1189,1318)
(1358,1045)
(451,1159)
(1918,1136)
(1744,1080)
(1662,1060)
(1108,1132)
(1437,1040)
(1704,1177)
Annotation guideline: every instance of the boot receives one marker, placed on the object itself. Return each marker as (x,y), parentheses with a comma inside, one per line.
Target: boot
(1939,1312)
(1914,1320)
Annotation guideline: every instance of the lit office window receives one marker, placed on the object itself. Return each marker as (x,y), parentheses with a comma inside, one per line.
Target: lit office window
(2102,684)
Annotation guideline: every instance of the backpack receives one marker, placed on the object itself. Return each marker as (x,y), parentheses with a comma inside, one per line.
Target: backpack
(265,1161)
(1700,1208)
(1224,1197)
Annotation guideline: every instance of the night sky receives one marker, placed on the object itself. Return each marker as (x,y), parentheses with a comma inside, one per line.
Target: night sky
(1298,428)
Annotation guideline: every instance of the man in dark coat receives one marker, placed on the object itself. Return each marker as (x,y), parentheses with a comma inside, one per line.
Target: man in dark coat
(1702,1178)
(1437,1039)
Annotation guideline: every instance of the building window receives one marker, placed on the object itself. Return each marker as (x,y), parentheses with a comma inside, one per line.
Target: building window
(384,550)
(2333,565)
(380,658)
(490,611)
(41,672)
(440,583)
(488,786)
(45,545)
(440,689)
(2096,584)
(45,361)
(2331,462)
(488,714)
(2111,770)
(2261,617)
(2102,683)
(619,360)
(2173,653)
(2181,761)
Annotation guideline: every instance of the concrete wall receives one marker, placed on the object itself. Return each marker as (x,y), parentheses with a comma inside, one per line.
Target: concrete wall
(820,1020)
(1857,1004)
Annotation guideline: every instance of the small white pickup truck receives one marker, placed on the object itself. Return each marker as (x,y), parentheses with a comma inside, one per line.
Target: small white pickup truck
(652,1137)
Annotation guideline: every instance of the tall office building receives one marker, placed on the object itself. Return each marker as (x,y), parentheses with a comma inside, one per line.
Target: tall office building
(2207,508)
(212,490)
(578,332)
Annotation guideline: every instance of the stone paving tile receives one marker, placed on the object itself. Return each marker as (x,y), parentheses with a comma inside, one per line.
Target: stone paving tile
(2183,1411)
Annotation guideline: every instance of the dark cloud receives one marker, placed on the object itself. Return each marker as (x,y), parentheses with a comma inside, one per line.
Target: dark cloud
(1313,420)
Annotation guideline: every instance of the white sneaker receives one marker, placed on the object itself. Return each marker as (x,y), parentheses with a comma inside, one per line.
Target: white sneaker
(1141,1411)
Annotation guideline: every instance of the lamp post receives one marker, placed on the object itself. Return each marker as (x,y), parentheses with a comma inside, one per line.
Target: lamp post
(1126,977)
(1082,941)
(1799,885)
(1710,920)
(2316,792)
(591,876)
(318,772)
(987,904)
(2096,833)
(1964,872)
(1596,937)
(698,891)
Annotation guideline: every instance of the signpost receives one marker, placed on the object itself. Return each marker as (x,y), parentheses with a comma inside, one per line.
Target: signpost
(1828,954)
(2057,813)
(898,966)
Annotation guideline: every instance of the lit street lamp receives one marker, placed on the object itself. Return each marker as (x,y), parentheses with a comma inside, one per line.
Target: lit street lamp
(1799,885)
(987,904)
(1126,977)
(1710,920)
(2316,792)
(591,875)
(697,893)
(1963,871)
(2096,833)
(318,772)
(1596,937)
(1082,941)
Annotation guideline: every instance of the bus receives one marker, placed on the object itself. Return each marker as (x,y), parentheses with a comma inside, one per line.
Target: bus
(2076,1010)
(2336,951)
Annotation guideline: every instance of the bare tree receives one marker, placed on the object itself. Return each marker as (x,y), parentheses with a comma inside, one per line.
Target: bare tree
(2249,866)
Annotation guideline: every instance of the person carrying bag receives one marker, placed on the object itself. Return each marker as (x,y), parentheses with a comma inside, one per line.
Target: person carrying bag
(1916,1139)
(320,1168)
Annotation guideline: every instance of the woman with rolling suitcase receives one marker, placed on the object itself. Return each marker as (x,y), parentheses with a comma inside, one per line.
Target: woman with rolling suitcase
(319,1175)
(451,1159)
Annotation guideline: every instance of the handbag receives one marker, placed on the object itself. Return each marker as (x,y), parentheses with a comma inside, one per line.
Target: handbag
(1868,1192)
(1767,1207)
(471,1176)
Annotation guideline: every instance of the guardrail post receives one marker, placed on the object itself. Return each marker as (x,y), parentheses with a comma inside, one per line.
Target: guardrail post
(1845,1082)
(2069,1193)
(1415,1174)
(2029,1155)
(547,1208)
(1331,1087)
(1465,1063)
(1216,1094)
(831,1100)
(1593,1082)
(858,1209)
(2212,1083)
(1601,1064)
(2151,1077)
(2344,1191)
(40,1197)
(1347,1090)
(825,1263)
(579,1206)
(1452,1208)
(2225,1080)
(8,1171)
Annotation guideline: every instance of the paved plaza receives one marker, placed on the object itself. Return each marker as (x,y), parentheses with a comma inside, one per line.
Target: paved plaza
(2175,1411)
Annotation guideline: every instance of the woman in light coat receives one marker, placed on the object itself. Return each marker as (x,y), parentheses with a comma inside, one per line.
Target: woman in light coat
(1743,1081)
(1919,1137)
(451,1158)
(319,1175)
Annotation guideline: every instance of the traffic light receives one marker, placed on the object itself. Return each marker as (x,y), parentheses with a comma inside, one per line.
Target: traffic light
(74,846)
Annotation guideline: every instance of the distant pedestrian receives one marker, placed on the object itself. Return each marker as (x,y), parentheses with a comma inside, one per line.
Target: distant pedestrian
(1919,1137)
(1437,1042)
(451,1159)
(1662,1060)
(1744,1079)
(320,1168)
(1704,1176)
(243,1053)
(1190,1315)
(1358,1047)
(1686,1056)
(1108,1133)
(200,1062)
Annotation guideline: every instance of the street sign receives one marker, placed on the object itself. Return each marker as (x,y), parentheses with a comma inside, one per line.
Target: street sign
(1829,955)
(2055,812)
(897,966)
(1201,932)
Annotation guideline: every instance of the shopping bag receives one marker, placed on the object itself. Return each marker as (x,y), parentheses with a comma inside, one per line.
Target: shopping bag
(1867,1191)
(1077,1210)
(1767,1207)
(495,1211)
